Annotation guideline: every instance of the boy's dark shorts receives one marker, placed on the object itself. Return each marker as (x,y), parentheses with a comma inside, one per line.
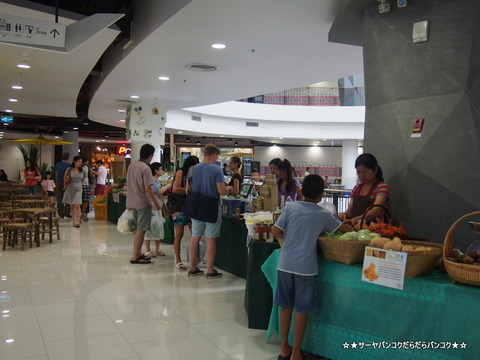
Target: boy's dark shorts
(296,291)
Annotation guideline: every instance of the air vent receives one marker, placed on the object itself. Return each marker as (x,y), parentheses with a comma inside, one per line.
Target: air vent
(253,124)
(196,118)
(202,67)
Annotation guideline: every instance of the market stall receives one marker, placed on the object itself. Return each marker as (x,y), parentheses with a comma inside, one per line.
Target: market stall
(431,318)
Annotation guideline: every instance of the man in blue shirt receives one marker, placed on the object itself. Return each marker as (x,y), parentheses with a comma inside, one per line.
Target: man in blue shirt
(60,168)
(207,179)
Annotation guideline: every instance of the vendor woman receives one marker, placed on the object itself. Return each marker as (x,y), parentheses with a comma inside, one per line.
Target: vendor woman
(370,191)
(288,186)
(238,172)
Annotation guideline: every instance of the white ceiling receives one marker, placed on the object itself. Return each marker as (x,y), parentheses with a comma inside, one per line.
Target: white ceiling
(272,45)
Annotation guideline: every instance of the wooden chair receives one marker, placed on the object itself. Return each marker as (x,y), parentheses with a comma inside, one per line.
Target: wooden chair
(17,232)
(45,229)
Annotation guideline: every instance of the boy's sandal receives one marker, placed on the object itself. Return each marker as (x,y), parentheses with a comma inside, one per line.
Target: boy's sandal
(160,253)
(181,266)
(195,272)
(150,254)
(144,257)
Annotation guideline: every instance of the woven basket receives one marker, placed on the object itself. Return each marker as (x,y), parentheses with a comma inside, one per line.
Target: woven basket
(461,273)
(347,252)
(422,262)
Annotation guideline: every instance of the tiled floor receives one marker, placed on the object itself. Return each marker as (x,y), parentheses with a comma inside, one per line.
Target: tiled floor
(80,298)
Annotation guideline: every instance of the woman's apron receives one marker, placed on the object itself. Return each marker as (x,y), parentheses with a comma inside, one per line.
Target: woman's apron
(362,202)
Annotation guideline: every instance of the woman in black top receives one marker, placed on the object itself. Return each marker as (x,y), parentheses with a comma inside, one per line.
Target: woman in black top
(238,171)
(3,175)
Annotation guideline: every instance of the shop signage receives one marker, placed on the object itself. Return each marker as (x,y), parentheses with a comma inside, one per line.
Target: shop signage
(21,30)
(417,127)
(384,267)
(123,151)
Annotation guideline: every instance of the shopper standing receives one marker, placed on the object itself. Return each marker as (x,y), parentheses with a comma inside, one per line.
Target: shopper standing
(86,194)
(60,168)
(140,198)
(32,177)
(101,173)
(207,179)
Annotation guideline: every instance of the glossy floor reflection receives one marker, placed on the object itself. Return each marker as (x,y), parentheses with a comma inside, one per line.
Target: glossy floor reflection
(80,298)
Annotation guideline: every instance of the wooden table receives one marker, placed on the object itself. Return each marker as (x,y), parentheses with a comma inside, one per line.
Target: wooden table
(33,215)
(29,203)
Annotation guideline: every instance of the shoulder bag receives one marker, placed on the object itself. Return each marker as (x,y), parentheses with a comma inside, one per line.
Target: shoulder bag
(175,201)
(200,207)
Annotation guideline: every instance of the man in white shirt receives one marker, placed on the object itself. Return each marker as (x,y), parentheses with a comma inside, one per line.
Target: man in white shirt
(101,173)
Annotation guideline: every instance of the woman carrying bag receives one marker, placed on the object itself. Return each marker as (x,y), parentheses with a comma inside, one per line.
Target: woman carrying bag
(178,216)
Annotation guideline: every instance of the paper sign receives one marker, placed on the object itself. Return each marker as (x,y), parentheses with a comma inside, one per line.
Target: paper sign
(417,128)
(384,267)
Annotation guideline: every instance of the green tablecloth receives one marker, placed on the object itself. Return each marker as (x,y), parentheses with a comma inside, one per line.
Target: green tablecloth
(115,209)
(258,294)
(232,247)
(430,310)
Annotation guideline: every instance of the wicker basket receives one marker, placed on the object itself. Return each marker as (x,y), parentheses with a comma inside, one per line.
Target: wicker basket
(461,273)
(347,252)
(422,262)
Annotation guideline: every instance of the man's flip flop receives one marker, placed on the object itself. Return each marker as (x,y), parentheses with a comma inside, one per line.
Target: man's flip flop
(140,260)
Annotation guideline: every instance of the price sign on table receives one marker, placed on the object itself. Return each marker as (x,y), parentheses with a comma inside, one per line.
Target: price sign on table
(384,267)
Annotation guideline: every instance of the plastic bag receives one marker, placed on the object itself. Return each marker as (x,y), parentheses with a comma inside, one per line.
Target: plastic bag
(156,226)
(126,223)
(329,206)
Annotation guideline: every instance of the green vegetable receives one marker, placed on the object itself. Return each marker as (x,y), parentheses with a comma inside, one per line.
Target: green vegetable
(352,235)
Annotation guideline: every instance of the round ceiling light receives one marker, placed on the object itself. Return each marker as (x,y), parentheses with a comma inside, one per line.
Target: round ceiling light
(219,46)
(164,78)
(202,67)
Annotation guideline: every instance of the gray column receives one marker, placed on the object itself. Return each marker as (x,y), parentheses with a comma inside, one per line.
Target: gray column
(72,149)
(433,178)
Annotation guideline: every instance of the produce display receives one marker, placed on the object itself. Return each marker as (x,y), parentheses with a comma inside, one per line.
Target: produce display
(360,235)
(384,229)
(396,244)
(471,257)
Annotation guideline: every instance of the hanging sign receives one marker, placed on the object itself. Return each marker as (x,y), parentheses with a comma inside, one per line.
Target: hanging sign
(21,30)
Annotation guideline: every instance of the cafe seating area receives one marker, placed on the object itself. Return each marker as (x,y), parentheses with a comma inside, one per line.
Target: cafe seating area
(25,218)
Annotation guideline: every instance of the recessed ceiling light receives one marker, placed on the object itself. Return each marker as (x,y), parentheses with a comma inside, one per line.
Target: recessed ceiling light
(12,100)
(8,110)
(180,132)
(134,96)
(280,138)
(8,341)
(103,139)
(75,128)
(57,137)
(122,120)
(222,135)
(164,78)
(23,65)
(17,87)
(97,141)
(65,132)
(219,46)
(324,139)
(121,110)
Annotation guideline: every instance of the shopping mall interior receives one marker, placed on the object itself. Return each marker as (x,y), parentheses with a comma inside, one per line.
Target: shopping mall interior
(317,82)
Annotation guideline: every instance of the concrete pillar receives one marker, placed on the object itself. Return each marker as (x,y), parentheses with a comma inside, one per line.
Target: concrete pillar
(349,154)
(72,149)
(433,176)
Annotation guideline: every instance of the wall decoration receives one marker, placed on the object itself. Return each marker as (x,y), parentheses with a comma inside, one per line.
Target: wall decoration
(136,132)
(147,133)
(155,111)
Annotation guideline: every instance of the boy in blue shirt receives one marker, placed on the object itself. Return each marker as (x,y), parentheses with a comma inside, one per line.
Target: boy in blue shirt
(300,225)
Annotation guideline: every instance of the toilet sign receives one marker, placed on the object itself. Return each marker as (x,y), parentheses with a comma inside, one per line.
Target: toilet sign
(20,30)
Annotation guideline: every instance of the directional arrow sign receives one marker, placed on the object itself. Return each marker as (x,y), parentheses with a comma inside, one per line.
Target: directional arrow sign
(20,30)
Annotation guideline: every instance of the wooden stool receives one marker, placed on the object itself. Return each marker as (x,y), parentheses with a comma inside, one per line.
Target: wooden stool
(55,230)
(17,231)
